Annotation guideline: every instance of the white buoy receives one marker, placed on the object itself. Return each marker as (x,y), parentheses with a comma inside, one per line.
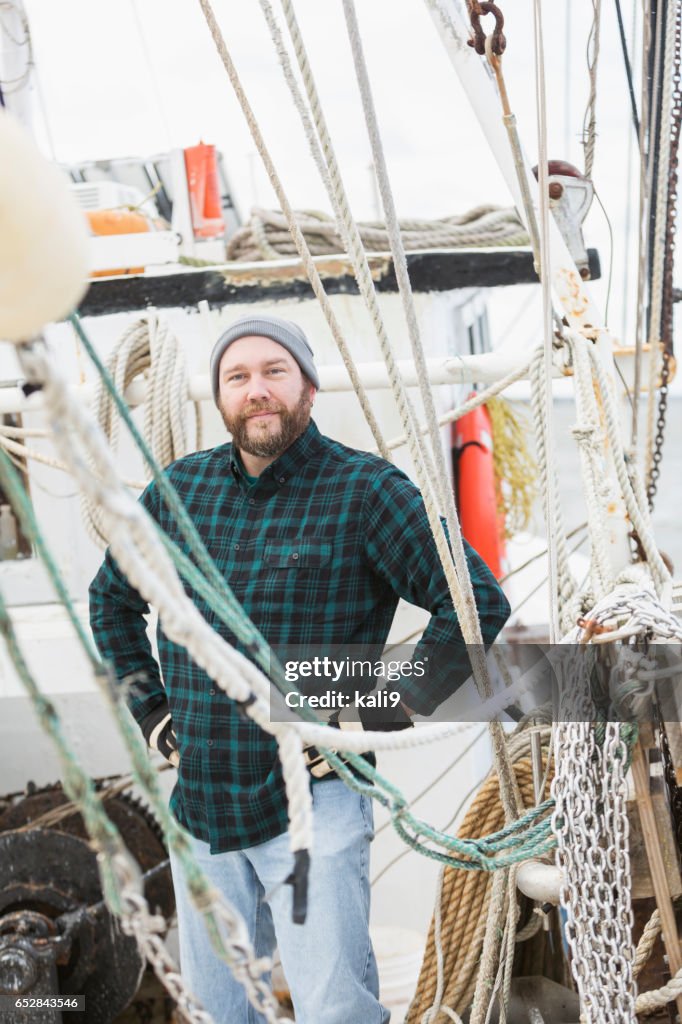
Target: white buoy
(43,237)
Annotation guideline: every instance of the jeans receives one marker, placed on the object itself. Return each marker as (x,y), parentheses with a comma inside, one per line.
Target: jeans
(328,962)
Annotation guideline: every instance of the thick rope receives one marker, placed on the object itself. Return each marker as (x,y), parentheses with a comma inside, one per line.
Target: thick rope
(266,234)
(464,899)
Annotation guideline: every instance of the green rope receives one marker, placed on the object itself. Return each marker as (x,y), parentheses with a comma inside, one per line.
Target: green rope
(522,839)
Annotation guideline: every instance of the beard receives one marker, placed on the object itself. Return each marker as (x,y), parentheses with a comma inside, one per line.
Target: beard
(271,438)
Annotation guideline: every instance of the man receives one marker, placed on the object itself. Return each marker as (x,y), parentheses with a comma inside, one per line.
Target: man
(318,542)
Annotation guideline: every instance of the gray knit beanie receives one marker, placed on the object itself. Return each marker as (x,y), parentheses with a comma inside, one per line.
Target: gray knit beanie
(286,333)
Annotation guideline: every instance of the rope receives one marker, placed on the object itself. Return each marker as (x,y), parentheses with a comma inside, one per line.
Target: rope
(459,582)
(147,346)
(567,585)
(545,280)
(590,119)
(453,948)
(296,233)
(266,234)
(325,159)
(646,943)
(515,468)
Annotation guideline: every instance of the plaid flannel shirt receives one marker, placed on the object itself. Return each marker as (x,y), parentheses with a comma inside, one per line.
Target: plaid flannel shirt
(318,550)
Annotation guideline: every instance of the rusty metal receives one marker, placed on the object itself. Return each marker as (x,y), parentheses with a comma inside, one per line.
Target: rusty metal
(668,299)
(556,190)
(498,40)
(50,807)
(51,873)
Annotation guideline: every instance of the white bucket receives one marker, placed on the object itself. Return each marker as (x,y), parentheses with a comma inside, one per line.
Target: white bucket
(399,953)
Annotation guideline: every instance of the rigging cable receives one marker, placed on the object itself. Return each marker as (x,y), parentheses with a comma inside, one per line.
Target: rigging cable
(628,67)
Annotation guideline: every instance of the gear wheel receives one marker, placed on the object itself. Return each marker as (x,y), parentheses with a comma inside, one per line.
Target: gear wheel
(139,830)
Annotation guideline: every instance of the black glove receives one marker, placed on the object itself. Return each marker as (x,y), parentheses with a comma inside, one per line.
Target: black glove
(385,719)
(157,729)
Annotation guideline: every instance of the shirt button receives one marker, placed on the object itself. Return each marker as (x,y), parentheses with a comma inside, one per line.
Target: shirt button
(236,547)
(282,479)
(295,554)
(252,501)
(211,693)
(209,743)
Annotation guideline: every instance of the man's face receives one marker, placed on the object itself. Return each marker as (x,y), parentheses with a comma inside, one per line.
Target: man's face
(264,399)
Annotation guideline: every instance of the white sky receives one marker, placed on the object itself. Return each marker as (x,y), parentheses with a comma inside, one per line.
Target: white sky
(133,77)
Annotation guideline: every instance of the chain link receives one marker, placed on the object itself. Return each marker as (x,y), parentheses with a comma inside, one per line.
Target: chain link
(591,825)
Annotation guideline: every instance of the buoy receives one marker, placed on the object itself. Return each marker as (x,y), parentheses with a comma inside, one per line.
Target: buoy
(201,165)
(43,237)
(472,444)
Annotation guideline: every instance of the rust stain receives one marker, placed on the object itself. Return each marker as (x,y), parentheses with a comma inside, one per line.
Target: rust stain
(571,294)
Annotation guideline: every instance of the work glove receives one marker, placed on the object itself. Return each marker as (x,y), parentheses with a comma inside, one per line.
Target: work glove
(157,729)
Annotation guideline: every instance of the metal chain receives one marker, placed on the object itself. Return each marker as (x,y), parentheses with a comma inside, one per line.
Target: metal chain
(591,825)
(667,315)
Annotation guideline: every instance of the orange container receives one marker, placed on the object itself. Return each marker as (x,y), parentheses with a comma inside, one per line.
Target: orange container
(117,222)
(201,167)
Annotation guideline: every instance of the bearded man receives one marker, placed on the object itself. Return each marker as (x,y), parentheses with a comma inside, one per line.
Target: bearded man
(318,542)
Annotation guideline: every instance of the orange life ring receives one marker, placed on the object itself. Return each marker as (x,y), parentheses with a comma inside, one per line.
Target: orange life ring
(474,474)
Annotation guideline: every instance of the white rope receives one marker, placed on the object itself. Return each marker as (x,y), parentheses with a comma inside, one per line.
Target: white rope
(545,278)
(480,398)
(325,159)
(300,242)
(147,346)
(590,119)
(266,235)
(635,500)
(566,583)
(591,446)
(24,452)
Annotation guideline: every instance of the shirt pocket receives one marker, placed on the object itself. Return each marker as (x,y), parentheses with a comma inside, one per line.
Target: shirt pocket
(301,554)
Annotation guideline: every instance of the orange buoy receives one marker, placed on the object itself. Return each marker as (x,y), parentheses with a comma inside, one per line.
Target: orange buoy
(201,166)
(472,450)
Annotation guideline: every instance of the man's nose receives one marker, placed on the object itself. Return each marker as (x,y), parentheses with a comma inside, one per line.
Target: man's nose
(258,388)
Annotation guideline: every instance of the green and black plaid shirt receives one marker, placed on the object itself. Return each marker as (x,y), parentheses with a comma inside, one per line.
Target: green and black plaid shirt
(318,551)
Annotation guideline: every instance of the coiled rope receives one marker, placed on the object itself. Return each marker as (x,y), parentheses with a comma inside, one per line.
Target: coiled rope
(266,235)
(148,346)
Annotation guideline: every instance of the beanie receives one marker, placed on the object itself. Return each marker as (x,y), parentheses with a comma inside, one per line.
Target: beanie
(286,333)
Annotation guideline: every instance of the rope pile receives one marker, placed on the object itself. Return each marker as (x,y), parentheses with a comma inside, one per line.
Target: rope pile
(266,236)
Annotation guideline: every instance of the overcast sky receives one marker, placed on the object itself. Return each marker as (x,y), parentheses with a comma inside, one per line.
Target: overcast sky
(134,77)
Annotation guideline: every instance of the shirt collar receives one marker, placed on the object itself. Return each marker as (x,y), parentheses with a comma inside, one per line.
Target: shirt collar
(296,455)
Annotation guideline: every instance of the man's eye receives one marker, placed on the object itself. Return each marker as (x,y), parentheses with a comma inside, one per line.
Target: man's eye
(235,376)
(276,369)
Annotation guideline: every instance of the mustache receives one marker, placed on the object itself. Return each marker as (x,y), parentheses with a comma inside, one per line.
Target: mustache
(253,410)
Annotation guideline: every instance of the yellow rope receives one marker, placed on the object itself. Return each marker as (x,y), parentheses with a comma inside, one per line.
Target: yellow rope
(516,470)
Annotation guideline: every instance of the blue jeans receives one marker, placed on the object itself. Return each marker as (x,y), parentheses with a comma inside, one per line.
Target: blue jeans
(328,962)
